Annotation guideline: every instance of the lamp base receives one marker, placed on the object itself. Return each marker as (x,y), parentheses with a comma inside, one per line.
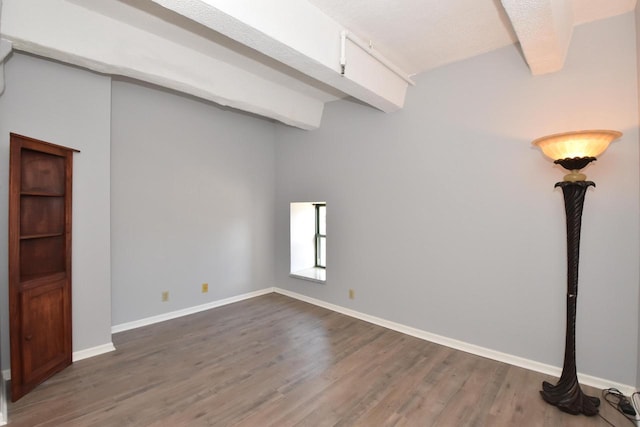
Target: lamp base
(569,397)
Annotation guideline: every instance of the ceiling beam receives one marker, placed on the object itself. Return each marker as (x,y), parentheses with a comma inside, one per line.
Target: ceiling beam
(544,29)
(246,54)
(5,50)
(298,34)
(73,34)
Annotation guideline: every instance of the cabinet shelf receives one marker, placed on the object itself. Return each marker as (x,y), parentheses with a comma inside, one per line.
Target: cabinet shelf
(40,236)
(41,194)
(34,279)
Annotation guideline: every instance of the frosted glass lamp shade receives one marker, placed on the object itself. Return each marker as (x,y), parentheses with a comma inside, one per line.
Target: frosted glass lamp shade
(585,143)
(575,150)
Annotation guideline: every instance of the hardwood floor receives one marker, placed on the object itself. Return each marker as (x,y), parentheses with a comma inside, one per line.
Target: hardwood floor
(276,361)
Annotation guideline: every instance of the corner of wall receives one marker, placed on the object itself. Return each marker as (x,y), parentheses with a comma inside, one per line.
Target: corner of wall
(637,12)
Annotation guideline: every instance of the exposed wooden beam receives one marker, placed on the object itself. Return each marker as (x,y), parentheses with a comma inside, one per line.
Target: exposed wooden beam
(68,32)
(309,42)
(544,29)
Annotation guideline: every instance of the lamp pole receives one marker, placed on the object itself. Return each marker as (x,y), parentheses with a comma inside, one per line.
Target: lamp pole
(567,394)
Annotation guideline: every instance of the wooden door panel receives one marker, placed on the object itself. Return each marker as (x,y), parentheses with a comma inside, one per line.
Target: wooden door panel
(39,261)
(44,321)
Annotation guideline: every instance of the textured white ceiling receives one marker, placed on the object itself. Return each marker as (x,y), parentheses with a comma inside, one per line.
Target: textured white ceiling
(283,58)
(420,35)
(591,10)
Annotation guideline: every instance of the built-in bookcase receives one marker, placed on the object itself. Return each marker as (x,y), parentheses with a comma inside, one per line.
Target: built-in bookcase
(40,186)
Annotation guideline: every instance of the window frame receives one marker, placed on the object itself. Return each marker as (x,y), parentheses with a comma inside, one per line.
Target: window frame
(318,236)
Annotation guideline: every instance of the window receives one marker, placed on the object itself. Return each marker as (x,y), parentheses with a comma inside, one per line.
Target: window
(321,236)
(308,228)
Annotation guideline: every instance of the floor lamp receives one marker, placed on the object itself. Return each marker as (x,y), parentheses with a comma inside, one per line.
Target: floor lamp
(573,151)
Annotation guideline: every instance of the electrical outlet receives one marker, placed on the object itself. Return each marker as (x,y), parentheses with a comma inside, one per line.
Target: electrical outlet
(165,296)
(352,294)
(205,288)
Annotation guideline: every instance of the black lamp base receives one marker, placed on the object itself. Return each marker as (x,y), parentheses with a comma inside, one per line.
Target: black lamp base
(570,398)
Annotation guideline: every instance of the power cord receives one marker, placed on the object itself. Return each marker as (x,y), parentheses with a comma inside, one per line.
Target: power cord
(619,402)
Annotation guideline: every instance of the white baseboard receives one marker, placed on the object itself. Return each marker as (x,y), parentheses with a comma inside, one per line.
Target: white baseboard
(76,356)
(3,402)
(532,365)
(187,311)
(93,351)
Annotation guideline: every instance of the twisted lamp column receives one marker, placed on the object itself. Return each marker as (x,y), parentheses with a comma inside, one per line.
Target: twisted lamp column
(567,394)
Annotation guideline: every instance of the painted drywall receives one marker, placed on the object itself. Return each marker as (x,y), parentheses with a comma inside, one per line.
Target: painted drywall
(444,218)
(193,190)
(3,397)
(66,106)
(637,17)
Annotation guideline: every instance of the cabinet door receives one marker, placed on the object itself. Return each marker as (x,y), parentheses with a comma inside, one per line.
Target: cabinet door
(39,261)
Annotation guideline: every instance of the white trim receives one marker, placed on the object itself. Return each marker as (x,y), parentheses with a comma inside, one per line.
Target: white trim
(307,278)
(76,356)
(3,401)
(555,371)
(187,311)
(312,274)
(93,351)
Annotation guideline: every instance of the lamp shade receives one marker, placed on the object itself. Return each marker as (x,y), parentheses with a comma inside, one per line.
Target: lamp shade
(580,144)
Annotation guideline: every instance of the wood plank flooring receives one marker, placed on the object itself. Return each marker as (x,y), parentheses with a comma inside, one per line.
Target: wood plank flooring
(276,361)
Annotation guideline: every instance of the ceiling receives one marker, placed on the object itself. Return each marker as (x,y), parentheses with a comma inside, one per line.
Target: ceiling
(420,35)
(284,59)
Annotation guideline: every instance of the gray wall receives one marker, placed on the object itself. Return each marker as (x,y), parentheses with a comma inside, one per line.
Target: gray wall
(193,191)
(442,216)
(3,398)
(70,107)
(637,17)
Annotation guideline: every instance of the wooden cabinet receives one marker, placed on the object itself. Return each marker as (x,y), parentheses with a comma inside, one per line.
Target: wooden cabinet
(40,182)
